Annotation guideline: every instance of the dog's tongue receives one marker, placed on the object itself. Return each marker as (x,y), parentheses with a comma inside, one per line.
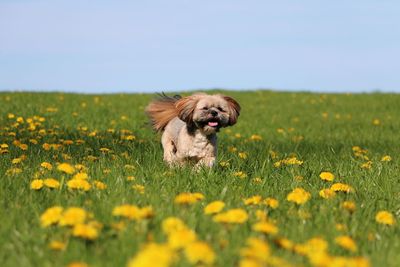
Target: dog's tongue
(212,123)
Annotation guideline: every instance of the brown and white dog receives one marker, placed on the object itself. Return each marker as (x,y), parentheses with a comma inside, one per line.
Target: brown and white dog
(190,124)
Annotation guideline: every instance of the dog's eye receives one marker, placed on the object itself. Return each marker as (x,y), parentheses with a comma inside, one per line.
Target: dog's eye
(221,109)
(204,108)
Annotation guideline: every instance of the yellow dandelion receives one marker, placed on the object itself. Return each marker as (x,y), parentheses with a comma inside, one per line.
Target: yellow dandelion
(346,242)
(199,252)
(57,245)
(188,198)
(266,228)
(172,224)
(298,196)
(240,174)
(81,176)
(271,202)
(256,137)
(367,165)
(51,183)
(16,160)
(67,168)
(340,187)
(138,188)
(37,184)
(284,243)
(256,249)
(232,216)
(349,205)
(132,212)
(327,193)
(386,158)
(153,255)
(243,155)
(51,216)
(224,164)
(341,227)
(261,215)
(327,176)
(85,231)
(257,180)
(214,207)
(182,238)
(79,184)
(254,200)
(46,165)
(73,216)
(385,217)
(100,185)
(130,178)
(77,264)
(23,147)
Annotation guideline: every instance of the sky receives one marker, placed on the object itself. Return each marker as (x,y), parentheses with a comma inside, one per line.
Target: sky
(151,46)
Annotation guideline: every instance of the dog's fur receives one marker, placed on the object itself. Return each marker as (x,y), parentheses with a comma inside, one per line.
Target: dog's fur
(190,124)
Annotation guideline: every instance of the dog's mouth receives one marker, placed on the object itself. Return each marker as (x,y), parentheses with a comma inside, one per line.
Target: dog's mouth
(213,123)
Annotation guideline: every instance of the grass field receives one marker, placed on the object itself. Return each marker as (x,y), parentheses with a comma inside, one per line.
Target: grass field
(282,141)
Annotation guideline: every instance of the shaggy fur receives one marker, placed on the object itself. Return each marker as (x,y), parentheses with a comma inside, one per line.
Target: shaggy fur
(190,124)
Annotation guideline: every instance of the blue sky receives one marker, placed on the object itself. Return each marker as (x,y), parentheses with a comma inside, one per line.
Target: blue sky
(147,46)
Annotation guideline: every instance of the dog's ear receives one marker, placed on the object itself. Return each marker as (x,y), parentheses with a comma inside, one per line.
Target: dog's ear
(234,109)
(185,107)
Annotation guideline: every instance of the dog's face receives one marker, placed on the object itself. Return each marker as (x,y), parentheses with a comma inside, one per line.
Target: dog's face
(208,113)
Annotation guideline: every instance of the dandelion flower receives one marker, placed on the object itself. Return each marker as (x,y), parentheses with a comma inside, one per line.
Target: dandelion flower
(349,205)
(79,184)
(85,231)
(81,176)
(214,207)
(66,168)
(266,228)
(51,183)
(188,198)
(271,202)
(199,252)
(232,216)
(100,185)
(132,212)
(37,184)
(77,264)
(327,176)
(386,158)
(73,216)
(240,174)
(182,238)
(342,188)
(254,200)
(46,165)
(384,217)
(57,245)
(172,224)
(138,188)
(153,255)
(256,249)
(327,193)
(298,196)
(346,242)
(51,216)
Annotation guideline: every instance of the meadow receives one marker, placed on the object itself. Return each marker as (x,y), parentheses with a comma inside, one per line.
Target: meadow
(302,179)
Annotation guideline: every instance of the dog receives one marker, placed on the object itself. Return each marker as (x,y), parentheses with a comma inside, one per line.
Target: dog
(189,125)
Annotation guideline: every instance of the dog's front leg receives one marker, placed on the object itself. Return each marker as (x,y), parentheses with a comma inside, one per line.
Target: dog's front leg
(205,162)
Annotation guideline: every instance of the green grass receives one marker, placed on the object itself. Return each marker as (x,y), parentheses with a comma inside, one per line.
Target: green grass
(329,125)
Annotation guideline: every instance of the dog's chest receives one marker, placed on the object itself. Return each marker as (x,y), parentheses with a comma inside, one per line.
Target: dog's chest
(202,146)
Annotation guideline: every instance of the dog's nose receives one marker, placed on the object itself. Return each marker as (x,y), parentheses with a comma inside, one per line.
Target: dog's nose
(213,113)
